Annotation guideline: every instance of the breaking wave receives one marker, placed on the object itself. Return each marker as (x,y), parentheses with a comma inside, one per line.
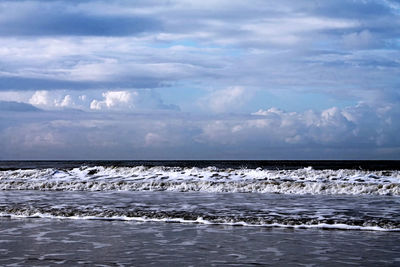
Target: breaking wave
(211,179)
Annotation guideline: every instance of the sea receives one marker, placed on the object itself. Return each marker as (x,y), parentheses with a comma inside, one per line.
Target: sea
(199,213)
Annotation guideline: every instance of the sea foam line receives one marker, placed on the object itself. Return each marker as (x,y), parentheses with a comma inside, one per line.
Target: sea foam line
(200,220)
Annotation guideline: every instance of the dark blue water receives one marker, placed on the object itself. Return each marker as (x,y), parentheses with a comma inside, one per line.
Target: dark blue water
(266,164)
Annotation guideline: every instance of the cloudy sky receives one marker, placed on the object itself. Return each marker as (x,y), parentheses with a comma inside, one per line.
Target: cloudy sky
(189,79)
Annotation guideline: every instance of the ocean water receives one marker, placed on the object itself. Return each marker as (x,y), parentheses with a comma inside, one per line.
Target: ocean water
(199,213)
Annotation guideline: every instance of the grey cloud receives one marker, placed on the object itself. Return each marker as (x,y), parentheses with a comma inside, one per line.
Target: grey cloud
(351,9)
(259,57)
(148,99)
(92,135)
(24,83)
(16,106)
(221,20)
(57,18)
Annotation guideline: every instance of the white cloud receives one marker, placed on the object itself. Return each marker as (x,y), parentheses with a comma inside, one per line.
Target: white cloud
(52,100)
(41,98)
(124,100)
(65,102)
(116,100)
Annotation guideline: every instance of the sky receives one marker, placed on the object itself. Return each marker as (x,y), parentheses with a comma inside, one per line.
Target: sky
(186,79)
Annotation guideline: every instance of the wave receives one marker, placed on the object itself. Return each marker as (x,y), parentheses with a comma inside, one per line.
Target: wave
(211,179)
(209,186)
(372,224)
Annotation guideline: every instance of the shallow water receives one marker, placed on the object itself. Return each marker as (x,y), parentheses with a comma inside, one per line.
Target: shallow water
(264,210)
(45,242)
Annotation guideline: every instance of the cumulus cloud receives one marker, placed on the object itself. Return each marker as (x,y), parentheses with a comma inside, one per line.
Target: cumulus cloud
(267,133)
(65,102)
(347,127)
(114,100)
(40,98)
(52,100)
(126,100)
